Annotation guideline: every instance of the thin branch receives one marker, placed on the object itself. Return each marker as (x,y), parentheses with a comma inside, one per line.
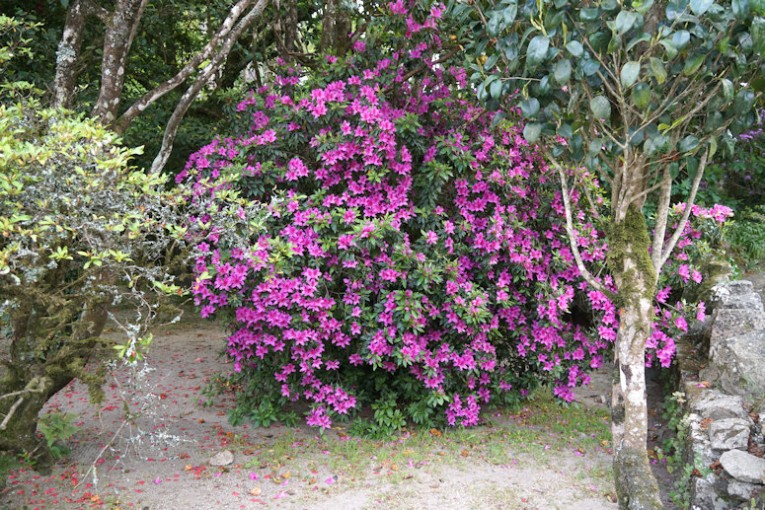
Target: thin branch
(644,193)
(191,66)
(425,67)
(92,468)
(686,214)
(589,278)
(661,220)
(136,23)
(11,412)
(191,93)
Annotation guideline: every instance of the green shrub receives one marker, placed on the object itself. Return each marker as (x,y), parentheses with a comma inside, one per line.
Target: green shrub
(746,236)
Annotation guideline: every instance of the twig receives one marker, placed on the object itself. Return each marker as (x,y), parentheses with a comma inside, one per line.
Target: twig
(11,413)
(109,443)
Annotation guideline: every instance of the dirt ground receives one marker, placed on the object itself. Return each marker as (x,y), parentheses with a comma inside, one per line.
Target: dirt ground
(161,460)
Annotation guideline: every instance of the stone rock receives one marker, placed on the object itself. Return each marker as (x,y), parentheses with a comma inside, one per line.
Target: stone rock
(743,466)
(223,458)
(729,434)
(740,363)
(704,495)
(718,406)
(742,490)
(728,322)
(735,295)
(697,445)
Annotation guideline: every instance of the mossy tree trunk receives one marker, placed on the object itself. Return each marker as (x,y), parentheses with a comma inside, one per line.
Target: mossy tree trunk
(635,277)
(39,363)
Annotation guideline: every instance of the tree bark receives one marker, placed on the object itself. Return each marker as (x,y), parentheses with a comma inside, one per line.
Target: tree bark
(168,139)
(28,382)
(120,32)
(68,55)
(335,29)
(633,271)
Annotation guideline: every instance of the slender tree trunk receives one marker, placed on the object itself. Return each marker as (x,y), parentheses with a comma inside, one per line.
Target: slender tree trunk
(168,139)
(120,32)
(68,54)
(634,274)
(335,29)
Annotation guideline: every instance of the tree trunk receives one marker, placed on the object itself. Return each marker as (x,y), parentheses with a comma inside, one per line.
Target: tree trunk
(633,271)
(39,366)
(120,32)
(68,55)
(335,29)
(18,434)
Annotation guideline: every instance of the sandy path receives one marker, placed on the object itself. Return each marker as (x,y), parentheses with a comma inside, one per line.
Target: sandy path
(161,461)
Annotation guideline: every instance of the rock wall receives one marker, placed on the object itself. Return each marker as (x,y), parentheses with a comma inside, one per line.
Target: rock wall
(726,403)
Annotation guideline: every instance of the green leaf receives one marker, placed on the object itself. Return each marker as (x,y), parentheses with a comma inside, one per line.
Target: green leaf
(532,132)
(575,48)
(562,71)
(669,48)
(658,71)
(600,107)
(757,31)
(699,7)
(537,50)
(740,8)
(492,25)
(744,102)
(687,144)
(642,6)
(655,144)
(590,67)
(712,147)
(625,20)
(629,73)
(530,108)
(600,41)
(680,39)
(490,62)
(499,20)
(495,89)
(693,64)
(509,13)
(589,14)
(644,37)
(641,96)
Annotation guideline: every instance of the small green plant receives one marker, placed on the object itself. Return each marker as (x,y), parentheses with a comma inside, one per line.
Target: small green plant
(387,421)
(673,447)
(673,450)
(746,236)
(57,427)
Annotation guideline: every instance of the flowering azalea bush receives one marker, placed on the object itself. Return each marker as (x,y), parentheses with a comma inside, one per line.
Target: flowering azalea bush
(373,237)
(676,301)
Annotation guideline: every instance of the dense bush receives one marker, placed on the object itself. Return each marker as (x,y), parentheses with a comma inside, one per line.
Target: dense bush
(80,233)
(374,237)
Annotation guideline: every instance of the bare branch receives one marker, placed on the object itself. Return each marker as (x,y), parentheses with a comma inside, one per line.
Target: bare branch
(11,412)
(686,214)
(589,278)
(122,123)
(191,93)
(661,219)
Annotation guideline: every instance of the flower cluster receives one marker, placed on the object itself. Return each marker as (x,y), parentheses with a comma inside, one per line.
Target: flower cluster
(383,236)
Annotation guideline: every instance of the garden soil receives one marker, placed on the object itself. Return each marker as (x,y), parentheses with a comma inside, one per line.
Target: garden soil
(160,458)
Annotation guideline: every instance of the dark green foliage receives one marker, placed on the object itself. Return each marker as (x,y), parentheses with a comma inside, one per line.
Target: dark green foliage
(747,236)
